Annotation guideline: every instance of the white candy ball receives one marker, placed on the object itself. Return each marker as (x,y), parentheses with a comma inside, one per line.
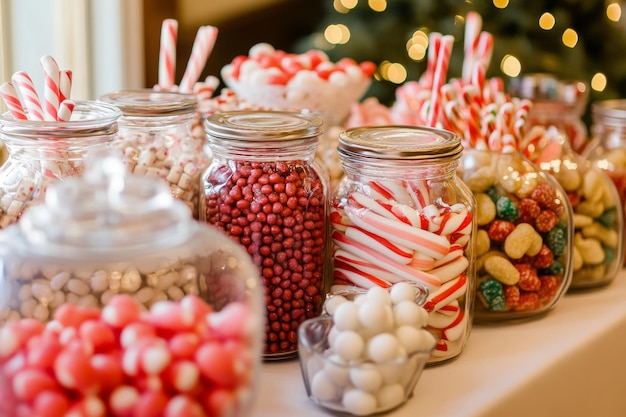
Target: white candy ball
(390,396)
(383,347)
(358,402)
(402,291)
(332,302)
(379,294)
(409,313)
(366,377)
(346,316)
(261,48)
(349,345)
(375,316)
(323,388)
(334,369)
(332,335)
(413,339)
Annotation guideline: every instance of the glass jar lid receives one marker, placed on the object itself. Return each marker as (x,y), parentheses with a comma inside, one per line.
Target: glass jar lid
(611,112)
(151,103)
(399,143)
(263,125)
(105,213)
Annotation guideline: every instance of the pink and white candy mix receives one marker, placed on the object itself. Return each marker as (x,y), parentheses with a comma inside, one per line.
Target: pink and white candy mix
(308,81)
(401,232)
(179,359)
(374,353)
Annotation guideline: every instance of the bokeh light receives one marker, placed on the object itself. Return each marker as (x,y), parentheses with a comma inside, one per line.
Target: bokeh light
(417,46)
(614,12)
(337,34)
(598,82)
(547,21)
(500,4)
(510,66)
(393,72)
(377,5)
(570,38)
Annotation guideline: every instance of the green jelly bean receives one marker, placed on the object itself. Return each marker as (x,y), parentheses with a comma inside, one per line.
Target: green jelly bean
(506,209)
(608,217)
(491,294)
(556,239)
(493,194)
(556,268)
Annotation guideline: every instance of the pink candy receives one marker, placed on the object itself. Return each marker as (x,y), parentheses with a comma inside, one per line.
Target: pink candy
(178,359)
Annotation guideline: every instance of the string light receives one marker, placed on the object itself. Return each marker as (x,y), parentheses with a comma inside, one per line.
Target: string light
(547,21)
(614,12)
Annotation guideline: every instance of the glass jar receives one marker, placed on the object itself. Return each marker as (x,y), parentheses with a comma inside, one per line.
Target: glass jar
(607,149)
(155,138)
(44,152)
(555,102)
(265,189)
(524,238)
(147,303)
(401,213)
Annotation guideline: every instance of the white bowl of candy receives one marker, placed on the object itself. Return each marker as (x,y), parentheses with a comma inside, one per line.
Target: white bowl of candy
(366,354)
(274,79)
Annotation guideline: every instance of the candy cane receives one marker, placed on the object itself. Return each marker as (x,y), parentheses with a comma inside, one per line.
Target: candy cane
(30,99)
(434,44)
(396,253)
(167,53)
(473,26)
(51,87)
(439,78)
(65,110)
(202,46)
(448,292)
(65,84)
(12,101)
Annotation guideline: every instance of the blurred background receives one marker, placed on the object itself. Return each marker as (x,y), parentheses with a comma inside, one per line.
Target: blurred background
(114,44)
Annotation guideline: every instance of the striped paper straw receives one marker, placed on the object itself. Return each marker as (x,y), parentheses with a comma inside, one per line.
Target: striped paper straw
(65,84)
(167,53)
(202,46)
(51,87)
(12,101)
(65,110)
(30,99)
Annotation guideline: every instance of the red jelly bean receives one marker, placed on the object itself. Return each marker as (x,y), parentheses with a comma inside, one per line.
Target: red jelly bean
(528,281)
(51,404)
(73,369)
(549,287)
(528,210)
(183,406)
(27,383)
(512,295)
(546,221)
(500,229)
(120,311)
(528,301)
(544,258)
(150,404)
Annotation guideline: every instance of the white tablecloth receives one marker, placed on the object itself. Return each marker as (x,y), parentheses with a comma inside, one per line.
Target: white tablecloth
(570,362)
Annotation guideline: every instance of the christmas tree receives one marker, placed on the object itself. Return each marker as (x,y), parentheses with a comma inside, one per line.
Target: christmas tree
(580,40)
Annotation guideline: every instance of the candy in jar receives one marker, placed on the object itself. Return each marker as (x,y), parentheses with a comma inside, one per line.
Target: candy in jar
(265,189)
(42,153)
(123,304)
(401,213)
(524,238)
(607,149)
(155,138)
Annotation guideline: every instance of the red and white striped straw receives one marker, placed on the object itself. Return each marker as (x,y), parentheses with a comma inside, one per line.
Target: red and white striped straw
(12,101)
(485,49)
(473,26)
(51,87)
(434,44)
(167,53)
(439,79)
(202,47)
(65,110)
(30,99)
(65,85)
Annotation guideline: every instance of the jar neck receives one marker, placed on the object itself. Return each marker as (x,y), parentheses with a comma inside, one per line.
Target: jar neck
(268,150)
(397,169)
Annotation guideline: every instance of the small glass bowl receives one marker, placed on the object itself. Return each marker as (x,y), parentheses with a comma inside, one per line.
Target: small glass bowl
(363,388)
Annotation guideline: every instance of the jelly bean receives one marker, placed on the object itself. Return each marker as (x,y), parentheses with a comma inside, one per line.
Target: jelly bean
(556,239)
(506,209)
(544,258)
(546,221)
(28,383)
(522,240)
(217,364)
(528,301)
(528,279)
(499,230)
(486,209)
(528,210)
(502,269)
(491,294)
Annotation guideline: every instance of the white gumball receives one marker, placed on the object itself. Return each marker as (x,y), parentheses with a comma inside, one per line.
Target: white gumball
(332,302)
(375,316)
(383,347)
(337,370)
(409,313)
(415,339)
(323,388)
(366,377)
(390,396)
(402,291)
(349,345)
(379,294)
(346,316)
(359,402)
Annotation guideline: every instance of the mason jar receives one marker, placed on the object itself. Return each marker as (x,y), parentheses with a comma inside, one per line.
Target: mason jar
(524,239)
(402,213)
(114,292)
(265,189)
(155,138)
(41,153)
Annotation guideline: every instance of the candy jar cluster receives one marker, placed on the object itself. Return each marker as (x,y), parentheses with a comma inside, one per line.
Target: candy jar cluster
(401,213)
(114,301)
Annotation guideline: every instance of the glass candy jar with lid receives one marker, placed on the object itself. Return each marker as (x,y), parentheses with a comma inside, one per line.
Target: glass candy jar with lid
(265,189)
(552,129)
(155,138)
(402,213)
(145,302)
(607,149)
(524,238)
(44,152)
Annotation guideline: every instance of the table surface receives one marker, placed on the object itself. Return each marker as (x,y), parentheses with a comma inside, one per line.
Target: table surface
(570,362)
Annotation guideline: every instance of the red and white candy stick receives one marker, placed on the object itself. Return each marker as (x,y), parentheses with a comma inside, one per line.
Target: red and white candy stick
(439,79)
(200,51)
(473,26)
(51,87)
(434,44)
(12,101)
(167,53)
(65,84)
(65,110)
(30,99)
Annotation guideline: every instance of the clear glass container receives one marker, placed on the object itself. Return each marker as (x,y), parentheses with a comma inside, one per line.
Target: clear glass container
(524,239)
(402,213)
(155,138)
(607,149)
(265,189)
(141,301)
(553,129)
(44,152)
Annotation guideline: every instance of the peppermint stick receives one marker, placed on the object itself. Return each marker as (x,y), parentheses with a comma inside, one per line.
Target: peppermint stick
(439,78)
(202,47)
(167,53)
(12,101)
(51,87)
(30,99)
